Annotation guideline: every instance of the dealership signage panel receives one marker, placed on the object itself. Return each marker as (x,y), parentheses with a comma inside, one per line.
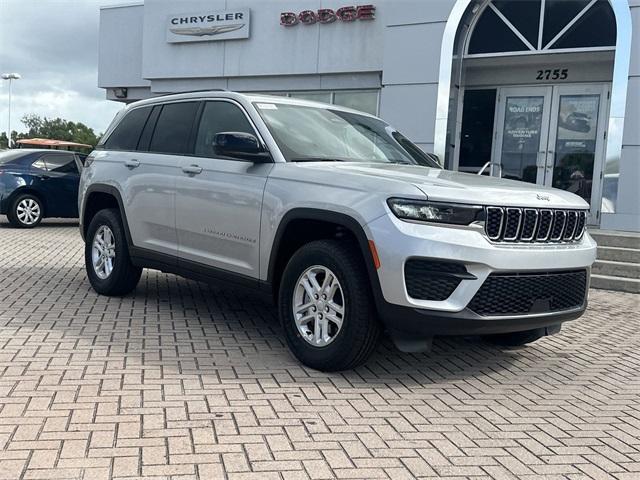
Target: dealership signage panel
(206,26)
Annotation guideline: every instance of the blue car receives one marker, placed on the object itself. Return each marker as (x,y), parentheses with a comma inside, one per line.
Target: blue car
(36,184)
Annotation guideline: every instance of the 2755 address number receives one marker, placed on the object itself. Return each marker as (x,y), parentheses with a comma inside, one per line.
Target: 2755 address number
(557,74)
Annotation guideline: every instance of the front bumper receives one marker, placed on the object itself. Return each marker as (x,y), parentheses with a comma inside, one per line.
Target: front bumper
(398,241)
(407,322)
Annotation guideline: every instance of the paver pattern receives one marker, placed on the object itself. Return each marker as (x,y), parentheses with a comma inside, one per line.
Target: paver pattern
(182,380)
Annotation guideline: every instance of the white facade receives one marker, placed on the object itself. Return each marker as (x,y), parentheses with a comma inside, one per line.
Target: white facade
(417,65)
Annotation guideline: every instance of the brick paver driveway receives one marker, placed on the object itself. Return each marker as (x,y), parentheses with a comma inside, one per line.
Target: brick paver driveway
(181,380)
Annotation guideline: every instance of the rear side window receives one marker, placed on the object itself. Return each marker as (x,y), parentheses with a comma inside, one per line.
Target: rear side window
(127,133)
(219,117)
(39,163)
(145,137)
(173,128)
(60,163)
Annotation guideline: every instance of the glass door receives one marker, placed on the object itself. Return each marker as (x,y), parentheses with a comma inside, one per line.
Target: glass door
(553,136)
(522,133)
(576,141)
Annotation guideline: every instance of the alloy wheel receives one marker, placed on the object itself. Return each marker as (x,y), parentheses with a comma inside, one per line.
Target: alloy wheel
(318,306)
(103,252)
(28,211)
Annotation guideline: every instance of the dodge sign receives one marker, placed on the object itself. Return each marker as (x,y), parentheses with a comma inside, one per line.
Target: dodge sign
(208,26)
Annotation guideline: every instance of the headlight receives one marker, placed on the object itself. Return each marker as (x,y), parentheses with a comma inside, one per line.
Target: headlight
(424,211)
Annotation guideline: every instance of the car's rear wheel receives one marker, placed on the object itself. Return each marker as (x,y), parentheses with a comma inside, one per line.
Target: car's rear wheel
(26,211)
(107,260)
(326,307)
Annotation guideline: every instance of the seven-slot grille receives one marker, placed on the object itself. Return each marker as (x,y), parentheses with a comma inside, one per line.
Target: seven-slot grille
(512,224)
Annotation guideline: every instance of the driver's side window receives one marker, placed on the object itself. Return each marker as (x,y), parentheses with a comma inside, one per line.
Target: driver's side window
(218,117)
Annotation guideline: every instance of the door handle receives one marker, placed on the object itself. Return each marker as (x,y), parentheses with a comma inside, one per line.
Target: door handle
(44,177)
(192,169)
(133,163)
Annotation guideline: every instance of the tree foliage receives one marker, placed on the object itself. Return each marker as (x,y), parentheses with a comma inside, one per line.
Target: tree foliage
(52,128)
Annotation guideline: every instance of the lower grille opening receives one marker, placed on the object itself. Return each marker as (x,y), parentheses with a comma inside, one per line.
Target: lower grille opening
(530,293)
(433,280)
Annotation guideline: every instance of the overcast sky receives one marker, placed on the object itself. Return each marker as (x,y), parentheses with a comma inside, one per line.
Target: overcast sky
(53,44)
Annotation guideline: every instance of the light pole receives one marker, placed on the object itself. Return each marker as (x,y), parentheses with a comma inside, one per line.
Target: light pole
(10,77)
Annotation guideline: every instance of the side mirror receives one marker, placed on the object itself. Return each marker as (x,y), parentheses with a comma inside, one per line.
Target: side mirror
(240,145)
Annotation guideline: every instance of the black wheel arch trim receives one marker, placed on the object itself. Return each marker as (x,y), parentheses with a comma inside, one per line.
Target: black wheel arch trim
(114,192)
(338,218)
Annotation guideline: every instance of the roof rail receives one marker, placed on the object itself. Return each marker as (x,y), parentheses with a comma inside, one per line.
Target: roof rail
(193,91)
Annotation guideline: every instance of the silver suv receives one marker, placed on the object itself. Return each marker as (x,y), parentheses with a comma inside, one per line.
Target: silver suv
(351,227)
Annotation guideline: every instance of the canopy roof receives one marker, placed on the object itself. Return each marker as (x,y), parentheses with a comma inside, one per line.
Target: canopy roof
(51,143)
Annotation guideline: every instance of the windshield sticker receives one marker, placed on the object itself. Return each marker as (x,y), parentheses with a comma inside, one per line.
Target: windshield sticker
(267,106)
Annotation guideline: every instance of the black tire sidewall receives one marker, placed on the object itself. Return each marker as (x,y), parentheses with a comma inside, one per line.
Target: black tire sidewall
(358,312)
(111,285)
(13,216)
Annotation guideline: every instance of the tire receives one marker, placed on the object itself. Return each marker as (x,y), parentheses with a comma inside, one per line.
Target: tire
(26,211)
(345,346)
(516,339)
(123,276)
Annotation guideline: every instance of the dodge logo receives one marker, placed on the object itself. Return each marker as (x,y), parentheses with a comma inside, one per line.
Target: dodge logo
(327,15)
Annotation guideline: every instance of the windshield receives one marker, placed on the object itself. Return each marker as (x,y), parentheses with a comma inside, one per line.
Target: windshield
(315,134)
(9,155)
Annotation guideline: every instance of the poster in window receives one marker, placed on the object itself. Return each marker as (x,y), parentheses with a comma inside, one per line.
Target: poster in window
(522,123)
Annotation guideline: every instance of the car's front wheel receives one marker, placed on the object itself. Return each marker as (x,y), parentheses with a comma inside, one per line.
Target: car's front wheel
(326,307)
(25,211)
(107,260)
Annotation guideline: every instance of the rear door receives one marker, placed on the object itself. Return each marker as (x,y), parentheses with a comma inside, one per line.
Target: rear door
(142,148)
(59,183)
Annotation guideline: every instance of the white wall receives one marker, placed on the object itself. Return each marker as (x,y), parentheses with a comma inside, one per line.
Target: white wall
(120,47)
(271,49)
(412,43)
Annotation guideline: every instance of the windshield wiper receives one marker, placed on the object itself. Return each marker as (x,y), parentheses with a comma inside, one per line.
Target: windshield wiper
(317,159)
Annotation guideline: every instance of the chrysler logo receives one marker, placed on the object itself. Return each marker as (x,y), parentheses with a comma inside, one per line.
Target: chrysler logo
(206,31)
(208,26)
(543,197)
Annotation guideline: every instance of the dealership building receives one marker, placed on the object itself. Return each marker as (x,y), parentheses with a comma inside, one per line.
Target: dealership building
(544,91)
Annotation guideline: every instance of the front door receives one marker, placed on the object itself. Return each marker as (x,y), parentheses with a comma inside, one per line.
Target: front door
(553,136)
(219,201)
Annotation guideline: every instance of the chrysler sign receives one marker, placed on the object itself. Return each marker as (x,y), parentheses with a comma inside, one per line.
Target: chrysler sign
(208,26)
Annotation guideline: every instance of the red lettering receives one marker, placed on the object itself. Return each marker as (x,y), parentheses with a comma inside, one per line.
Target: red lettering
(326,15)
(347,14)
(308,17)
(288,19)
(366,12)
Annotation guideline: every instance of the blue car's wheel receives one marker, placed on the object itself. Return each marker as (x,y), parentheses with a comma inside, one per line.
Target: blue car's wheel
(26,211)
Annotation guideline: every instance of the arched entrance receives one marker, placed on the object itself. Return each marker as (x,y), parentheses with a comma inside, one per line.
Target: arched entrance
(528,92)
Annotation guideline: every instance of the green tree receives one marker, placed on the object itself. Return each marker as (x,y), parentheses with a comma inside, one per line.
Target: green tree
(58,129)
(14,136)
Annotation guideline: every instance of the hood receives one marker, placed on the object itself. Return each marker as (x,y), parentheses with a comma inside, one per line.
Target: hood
(449,186)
